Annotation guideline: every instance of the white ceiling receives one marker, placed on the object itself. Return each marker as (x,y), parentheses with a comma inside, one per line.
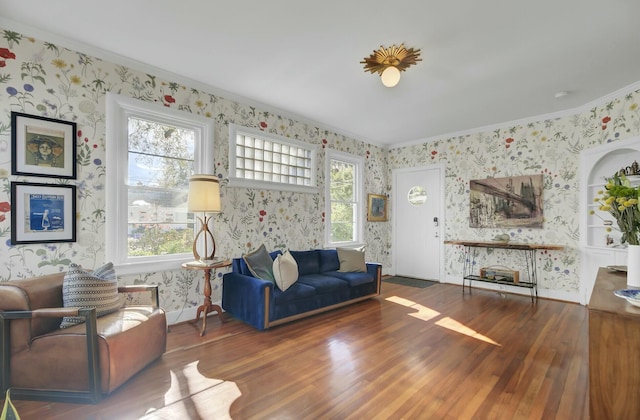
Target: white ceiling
(483,62)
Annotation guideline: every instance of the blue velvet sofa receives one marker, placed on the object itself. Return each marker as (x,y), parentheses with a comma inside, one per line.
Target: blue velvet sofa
(320,287)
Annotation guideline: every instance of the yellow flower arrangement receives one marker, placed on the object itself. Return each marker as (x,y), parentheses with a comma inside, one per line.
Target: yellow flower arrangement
(620,199)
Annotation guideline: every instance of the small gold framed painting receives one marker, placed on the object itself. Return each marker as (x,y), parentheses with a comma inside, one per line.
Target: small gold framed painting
(377,208)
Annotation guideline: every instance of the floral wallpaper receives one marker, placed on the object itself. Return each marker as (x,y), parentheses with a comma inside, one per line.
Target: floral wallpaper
(551,148)
(40,78)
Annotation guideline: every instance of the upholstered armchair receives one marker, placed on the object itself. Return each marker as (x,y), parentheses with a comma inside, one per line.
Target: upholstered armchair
(81,363)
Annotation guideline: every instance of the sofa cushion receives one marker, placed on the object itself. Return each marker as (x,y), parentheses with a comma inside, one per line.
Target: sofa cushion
(351,259)
(323,283)
(308,261)
(90,289)
(297,291)
(353,278)
(329,260)
(285,270)
(260,263)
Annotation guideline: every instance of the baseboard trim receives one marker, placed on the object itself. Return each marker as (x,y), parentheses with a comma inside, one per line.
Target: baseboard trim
(514,290)
(186,314)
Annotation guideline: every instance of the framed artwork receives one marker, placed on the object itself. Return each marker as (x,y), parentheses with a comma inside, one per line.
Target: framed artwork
(377,208)
(42,213)
(42,146)
(506,202)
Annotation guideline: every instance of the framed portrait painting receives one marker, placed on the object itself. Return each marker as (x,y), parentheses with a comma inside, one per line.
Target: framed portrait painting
(377,208)
(42,213)
(42,146)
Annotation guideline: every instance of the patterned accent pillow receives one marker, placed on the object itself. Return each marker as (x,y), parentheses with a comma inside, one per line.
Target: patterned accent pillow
(90,289)
(260,264)
(285,270)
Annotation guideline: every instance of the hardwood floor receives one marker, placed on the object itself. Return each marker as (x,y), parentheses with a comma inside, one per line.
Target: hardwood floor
(430,353)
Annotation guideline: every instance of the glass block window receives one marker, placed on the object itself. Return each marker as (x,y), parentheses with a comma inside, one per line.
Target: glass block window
(264,160)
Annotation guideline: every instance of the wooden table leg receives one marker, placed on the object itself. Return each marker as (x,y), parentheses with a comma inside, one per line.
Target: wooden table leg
(207,306)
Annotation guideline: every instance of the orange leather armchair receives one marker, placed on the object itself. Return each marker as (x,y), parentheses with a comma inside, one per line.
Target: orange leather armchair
(81,363)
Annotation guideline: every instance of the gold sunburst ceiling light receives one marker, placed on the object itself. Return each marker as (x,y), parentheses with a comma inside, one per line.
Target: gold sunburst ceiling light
(389,62)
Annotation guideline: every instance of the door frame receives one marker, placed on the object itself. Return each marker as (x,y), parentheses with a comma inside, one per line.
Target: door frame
(441,167)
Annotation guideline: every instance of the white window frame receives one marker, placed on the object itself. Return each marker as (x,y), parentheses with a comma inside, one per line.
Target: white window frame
(235,181)
(119,109)
(358,193)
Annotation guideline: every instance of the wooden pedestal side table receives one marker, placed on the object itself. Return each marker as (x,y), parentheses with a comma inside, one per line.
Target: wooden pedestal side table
(207,306)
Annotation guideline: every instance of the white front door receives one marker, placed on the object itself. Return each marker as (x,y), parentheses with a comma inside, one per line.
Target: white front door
(418,213)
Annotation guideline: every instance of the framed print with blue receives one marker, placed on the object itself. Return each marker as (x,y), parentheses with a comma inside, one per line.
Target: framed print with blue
(42,146)
(42,213)
(377,208)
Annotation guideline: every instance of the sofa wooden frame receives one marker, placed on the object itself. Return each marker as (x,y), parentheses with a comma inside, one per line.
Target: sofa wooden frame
(94,393)
(267,299)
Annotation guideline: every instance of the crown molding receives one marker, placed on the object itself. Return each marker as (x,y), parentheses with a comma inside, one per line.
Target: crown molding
(523,121)
(165,74)
(116,58)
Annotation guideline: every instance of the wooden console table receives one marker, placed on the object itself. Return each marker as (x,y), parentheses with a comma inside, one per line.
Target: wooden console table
(471,252)
(207,306)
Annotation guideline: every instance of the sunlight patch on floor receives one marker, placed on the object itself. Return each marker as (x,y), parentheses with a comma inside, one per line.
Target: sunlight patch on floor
(192,394)
(427,314)
(401,301)
(453,325)
(422,313)
(187,381)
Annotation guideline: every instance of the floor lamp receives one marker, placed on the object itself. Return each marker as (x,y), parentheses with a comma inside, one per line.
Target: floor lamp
(204,197)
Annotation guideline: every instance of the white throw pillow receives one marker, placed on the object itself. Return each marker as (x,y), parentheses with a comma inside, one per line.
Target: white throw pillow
(285,270)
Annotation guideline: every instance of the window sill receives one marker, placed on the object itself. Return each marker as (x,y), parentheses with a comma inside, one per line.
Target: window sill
(266,185)
(140,267)
(352,245)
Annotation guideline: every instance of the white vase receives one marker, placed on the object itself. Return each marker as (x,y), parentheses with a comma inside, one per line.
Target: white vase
(633,266)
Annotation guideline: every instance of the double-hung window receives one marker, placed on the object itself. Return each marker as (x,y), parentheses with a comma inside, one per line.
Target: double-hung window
(151,153)
(344,199)
(264,160)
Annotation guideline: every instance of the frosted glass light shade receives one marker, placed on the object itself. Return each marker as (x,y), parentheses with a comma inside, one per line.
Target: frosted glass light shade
(390,76)
(204,194)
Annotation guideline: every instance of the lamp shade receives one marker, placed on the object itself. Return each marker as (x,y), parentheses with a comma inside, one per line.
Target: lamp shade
(204,194)
(390,76)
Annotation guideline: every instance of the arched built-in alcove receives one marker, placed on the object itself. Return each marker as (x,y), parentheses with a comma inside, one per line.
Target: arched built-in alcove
(600,241)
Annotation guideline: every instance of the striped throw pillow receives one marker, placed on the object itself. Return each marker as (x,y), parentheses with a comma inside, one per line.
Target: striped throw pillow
(90,289)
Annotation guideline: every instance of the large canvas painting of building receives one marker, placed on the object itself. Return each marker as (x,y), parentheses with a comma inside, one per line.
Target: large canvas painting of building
(506,202)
